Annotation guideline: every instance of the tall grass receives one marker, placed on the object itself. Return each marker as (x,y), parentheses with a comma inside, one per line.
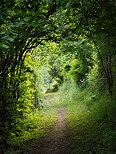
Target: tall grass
(91,120)
(33,127)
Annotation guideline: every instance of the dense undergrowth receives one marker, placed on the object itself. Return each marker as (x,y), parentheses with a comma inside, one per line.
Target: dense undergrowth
(91,121)
(35,126)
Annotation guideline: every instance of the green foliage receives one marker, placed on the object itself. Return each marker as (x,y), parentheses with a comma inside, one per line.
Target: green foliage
(78,71)
(53,88)
(34,126)
(90,120)
(93,80)
(77,29)
(95,21)
(23,26)
(67,61)
(80,62)
(51,62)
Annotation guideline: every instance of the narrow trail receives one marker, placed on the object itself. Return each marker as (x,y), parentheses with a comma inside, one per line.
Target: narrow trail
(56,140)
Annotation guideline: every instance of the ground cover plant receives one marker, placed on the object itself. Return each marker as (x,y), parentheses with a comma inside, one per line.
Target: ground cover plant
(91,122)
(34,127)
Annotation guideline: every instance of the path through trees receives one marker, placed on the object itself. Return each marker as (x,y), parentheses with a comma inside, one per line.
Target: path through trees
(56,140)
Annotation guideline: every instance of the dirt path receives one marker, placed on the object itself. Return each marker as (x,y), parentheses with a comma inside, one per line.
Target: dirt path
(55,142)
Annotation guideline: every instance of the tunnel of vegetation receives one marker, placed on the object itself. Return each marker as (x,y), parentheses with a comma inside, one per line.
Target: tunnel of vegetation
(46,43)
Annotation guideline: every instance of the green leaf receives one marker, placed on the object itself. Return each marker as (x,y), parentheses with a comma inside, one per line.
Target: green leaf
(2,32)
(34,24)
(5,46)
(10,39)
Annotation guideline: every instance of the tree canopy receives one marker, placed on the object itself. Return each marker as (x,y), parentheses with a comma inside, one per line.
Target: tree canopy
(67,39)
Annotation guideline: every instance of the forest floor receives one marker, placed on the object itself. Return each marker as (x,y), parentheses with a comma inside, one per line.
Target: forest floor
(56,142)
(67,135)
(69,126)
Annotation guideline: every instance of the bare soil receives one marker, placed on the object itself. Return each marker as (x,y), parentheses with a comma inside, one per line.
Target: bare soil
(56,140)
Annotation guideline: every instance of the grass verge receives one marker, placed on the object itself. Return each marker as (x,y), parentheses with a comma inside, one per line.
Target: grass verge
(32,128)
(91,124)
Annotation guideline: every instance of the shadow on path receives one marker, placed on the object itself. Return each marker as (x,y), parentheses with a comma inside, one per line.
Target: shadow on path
(56,140)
